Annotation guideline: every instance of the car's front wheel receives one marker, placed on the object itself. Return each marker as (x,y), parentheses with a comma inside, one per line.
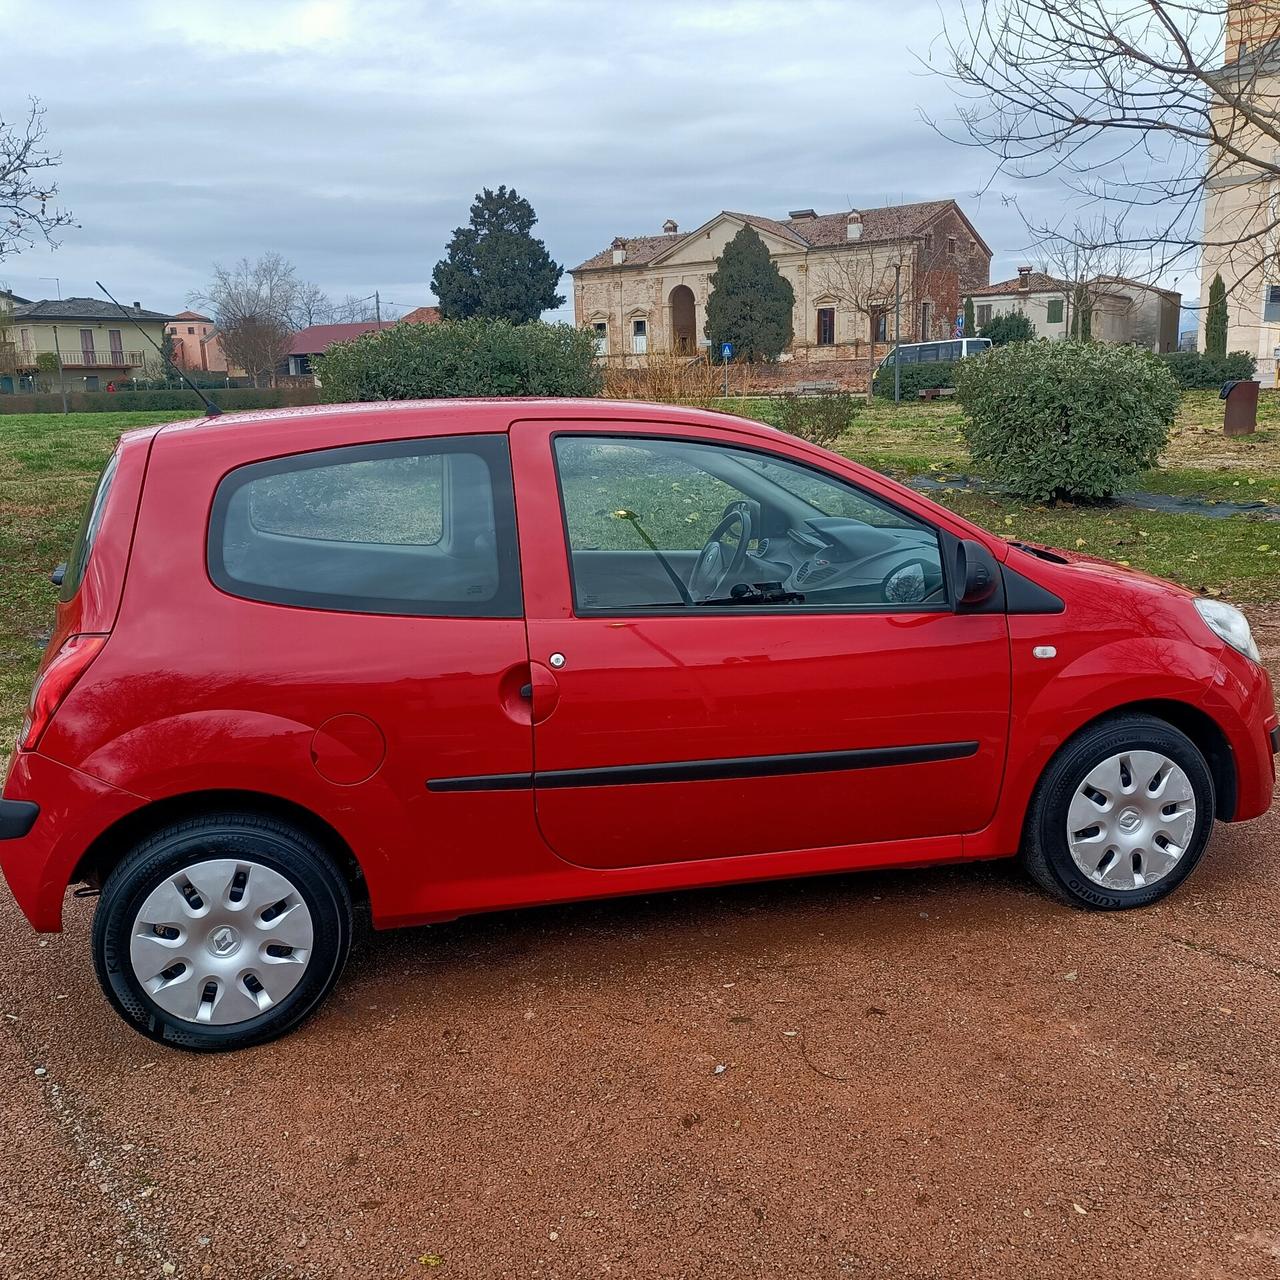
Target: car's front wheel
(222,931)
(1121,816)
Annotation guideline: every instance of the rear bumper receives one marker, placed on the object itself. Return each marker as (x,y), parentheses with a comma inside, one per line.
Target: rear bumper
(49,816)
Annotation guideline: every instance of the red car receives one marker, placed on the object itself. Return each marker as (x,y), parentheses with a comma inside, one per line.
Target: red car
(438,658)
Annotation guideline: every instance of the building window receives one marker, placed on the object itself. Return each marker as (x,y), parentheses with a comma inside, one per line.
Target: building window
(951,246)
(826,326)
(1271,307)
(191,328)
(880,326)
(117,346)
(25,336)
(640,337)
(601,330)
(1054,311)
(173,328)
(926,315)
(928,242)
(983,314)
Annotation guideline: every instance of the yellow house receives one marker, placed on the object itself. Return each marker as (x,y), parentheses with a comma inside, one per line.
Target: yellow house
(93,342)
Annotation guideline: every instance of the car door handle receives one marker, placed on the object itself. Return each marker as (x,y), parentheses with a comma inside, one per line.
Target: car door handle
(544,691)
(526,692)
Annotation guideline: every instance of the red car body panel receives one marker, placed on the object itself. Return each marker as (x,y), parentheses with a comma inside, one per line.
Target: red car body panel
(349,716)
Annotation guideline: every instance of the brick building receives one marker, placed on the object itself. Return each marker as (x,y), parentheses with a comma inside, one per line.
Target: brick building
(647,294)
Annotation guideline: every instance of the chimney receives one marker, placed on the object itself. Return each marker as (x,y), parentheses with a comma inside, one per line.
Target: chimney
(619,251)
(801,215)
(853,225)
(137,306)
(1024,277)
(669,227)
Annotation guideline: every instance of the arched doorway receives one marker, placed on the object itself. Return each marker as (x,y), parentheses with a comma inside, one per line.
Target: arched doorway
(684,323)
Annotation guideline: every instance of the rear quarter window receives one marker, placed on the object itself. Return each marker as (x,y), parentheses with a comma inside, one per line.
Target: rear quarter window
(90,527)
(423,527)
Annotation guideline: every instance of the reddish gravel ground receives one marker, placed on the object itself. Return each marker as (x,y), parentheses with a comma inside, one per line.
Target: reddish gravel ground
(927,1074)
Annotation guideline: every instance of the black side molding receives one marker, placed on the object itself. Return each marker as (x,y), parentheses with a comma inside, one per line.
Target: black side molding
(1275,740)
(1021,595)
(17,817)
(711,770)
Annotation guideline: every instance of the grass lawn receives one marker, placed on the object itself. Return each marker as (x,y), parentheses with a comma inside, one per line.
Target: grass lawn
(48,465)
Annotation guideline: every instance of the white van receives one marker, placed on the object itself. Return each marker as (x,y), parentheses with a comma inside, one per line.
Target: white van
(928,352)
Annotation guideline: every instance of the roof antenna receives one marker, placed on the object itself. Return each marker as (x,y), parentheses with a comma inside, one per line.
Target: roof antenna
(213,410)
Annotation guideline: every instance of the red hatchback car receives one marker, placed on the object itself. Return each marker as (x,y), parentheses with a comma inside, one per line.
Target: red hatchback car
(447,657)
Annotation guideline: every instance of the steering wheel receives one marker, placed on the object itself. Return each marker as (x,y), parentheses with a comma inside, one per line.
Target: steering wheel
(717,564)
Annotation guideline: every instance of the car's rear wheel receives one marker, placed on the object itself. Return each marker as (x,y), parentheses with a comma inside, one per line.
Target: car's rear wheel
(222,931)
(1121,816)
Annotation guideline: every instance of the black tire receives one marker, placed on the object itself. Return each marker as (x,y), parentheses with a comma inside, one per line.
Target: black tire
(267,841)
(1045,851)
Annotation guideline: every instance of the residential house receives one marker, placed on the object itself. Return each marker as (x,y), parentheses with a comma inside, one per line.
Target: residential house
(648,294)
(196,343)
(316,339)
(1240,241)
(1121,311)
(94,342)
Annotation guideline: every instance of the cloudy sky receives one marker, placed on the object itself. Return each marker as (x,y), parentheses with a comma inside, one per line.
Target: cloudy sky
(350,135)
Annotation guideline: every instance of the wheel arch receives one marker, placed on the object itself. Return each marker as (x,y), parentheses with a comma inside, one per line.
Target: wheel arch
(112,844)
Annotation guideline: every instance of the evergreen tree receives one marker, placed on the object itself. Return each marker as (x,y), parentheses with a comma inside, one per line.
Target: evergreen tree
(495,267)
(970,324)
(1010,327)
(1215,322)
(750,303)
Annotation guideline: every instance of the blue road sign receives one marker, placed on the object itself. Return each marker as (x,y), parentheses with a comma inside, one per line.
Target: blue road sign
(726,351)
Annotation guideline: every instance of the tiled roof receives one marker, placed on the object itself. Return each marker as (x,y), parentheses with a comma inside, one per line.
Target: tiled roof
(318,338)
(1037,282)
(81,309)
(893,222)
(193,315)
(422,315)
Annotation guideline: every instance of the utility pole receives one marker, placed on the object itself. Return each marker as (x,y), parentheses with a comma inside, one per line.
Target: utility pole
(62,376)
(897,331)
(377,308)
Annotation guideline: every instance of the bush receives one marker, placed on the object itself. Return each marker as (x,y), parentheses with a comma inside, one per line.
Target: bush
(1010,327)
(666,378)
(1066,419)
(475,357)
(916,378)
(129,401)
(1196,369)
(820,419)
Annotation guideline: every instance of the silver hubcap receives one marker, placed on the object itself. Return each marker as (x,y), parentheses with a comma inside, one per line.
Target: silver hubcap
(222,941)
(1131,820)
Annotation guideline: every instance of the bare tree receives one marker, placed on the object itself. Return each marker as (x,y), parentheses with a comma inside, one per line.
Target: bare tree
(25,195)
(864,284)
(1088,257)
(311,305)
(253,304)
(352,310)
(1151,106)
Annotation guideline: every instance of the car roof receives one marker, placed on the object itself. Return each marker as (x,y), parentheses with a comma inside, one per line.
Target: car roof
(496,413)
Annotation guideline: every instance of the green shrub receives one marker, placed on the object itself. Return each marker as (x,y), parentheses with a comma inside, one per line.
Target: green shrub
(916,378)
(475,357)
(1198,369)
(820,419)
(1066,419)
(1012,326)
(128,401)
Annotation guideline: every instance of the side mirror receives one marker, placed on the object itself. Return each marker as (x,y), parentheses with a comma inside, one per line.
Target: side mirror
(977,575)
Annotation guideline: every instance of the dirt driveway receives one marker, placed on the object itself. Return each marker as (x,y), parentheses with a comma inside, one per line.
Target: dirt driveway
(927,1074)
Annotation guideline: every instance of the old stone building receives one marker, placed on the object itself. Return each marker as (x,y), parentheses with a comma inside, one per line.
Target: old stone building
(647,294)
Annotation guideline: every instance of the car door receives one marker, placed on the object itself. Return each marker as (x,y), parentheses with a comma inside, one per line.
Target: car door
(848,704)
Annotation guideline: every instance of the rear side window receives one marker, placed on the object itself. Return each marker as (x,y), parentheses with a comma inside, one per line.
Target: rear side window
(423,527)
(89,528)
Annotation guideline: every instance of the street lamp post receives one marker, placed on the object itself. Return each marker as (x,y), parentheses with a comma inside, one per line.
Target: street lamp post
(897,331)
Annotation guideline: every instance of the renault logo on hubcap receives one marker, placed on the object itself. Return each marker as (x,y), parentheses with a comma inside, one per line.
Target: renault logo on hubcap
(223,940)
(1130,820)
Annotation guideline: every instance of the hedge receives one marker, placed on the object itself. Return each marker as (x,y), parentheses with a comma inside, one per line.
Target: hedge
(122,401)
(916,378)
(1198,370)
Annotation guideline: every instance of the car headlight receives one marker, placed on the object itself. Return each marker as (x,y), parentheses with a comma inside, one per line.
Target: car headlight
(1228,622)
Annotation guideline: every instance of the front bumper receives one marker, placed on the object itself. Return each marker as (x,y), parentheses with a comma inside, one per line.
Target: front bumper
(49,816)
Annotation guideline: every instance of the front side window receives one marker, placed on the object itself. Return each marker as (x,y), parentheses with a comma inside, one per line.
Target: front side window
(660,524)
(826,326)
(416,527)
